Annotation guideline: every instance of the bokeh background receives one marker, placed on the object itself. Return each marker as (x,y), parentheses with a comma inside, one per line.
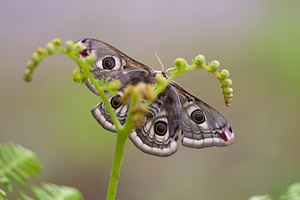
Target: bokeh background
(258,41)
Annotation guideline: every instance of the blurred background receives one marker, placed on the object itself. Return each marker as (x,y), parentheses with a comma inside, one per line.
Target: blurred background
(258,41)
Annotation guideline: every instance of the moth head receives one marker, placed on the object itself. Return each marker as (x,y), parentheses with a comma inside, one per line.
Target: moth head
(108,58)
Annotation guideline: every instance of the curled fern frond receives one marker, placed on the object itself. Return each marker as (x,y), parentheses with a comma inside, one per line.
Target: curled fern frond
(17,163)
(50,191)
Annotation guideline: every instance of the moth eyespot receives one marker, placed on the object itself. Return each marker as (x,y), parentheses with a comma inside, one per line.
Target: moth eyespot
(160,128)
(115,102)
(108,63)
(198,116)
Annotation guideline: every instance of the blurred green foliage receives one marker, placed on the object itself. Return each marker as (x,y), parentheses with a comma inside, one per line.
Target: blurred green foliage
(292,193)
(20,164)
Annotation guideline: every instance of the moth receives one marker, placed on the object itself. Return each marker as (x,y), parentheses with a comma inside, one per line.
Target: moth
(173,114)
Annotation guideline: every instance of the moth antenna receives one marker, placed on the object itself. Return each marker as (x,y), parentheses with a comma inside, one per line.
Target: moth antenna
(169,69)
(162,66)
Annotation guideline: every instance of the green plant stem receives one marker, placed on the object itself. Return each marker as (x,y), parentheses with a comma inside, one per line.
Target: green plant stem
(122,136)
(115,171)
(85,68)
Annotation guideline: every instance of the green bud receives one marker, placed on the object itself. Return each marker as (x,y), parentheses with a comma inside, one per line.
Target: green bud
(148,92)
(180,63)
(50,48)
(57,42)
(40,51)
(138,120)
(27,75)
(36,58)
(227,82)
(228,95)
(30,65)
(78,48)
(77,76)
(228,90)
(127,94)
(69,46)
(140,108)
(199,60)
(160,78)
(214,65)
(224,74)
(90,58)
(115,85)
(228,101)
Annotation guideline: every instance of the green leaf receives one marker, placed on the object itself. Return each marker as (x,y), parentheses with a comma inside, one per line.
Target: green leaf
(295,188)
(2,193)
(17,163)
(24,196)
(293,193)
(261,197)
(50,192)
(199,60)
